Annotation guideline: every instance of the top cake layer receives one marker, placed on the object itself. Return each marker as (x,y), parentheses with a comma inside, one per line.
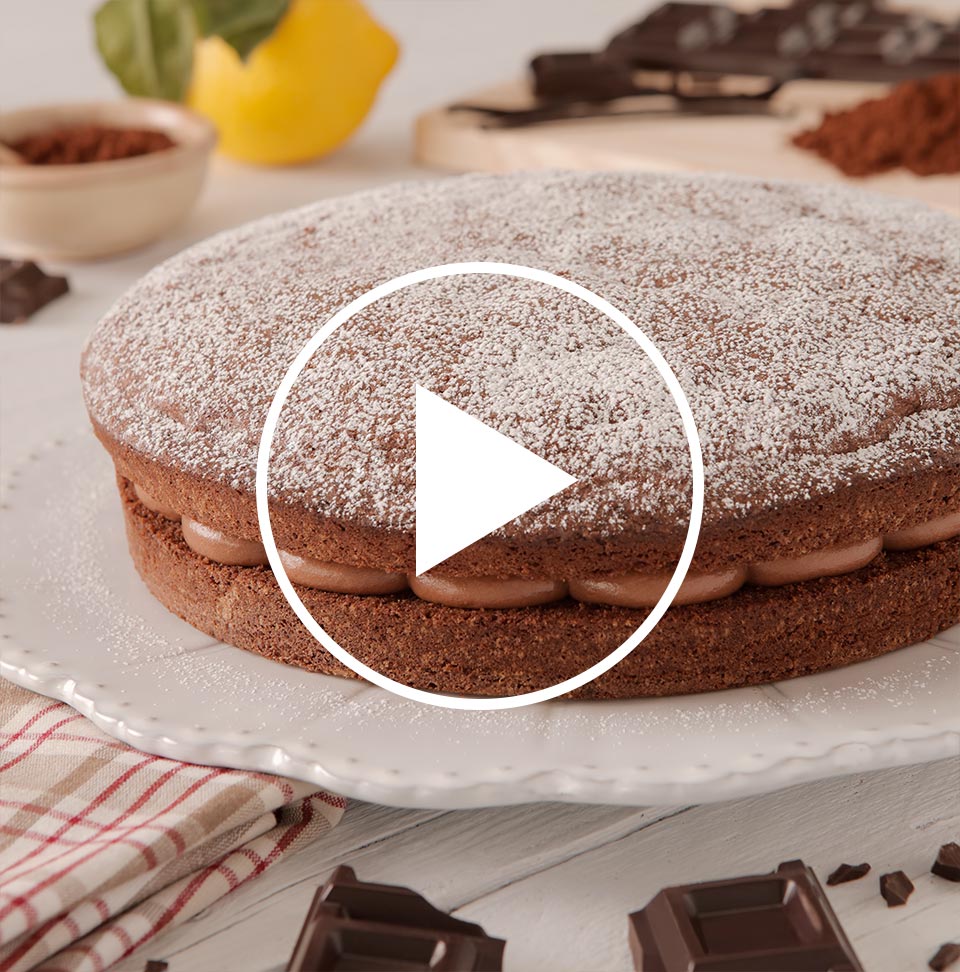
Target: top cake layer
(815,331)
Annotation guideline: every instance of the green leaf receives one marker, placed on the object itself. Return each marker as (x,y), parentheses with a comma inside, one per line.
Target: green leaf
(241,23)
(148,45)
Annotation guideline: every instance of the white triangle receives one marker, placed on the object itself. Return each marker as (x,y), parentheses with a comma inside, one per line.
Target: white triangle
(471,479)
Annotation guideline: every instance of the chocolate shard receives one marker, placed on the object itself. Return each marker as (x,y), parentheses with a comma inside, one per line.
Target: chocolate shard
(585,76)
(25,288)
(848,872)
(945,957)
(895,887)
(378,927)
(947,864)
(156,965)
(777,922)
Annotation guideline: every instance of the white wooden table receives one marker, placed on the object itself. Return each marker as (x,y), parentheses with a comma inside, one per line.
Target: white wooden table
(555,881)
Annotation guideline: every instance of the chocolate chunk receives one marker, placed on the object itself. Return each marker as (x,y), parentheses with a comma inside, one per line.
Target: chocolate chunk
(947,864)
(25,288)
(895,887)
(156,965)
(585,76)
(379,927)
(946,955)
(848,872)
(770,922)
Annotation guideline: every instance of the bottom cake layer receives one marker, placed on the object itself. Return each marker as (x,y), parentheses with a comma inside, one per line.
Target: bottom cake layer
(754,636)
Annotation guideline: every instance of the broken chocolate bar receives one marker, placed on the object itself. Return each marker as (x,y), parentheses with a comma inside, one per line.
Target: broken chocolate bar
(895,888)
(947,864)
(378,927)
(25,288)
(848,872)
(840,41)
(762,923)
(945,957)
(698,54)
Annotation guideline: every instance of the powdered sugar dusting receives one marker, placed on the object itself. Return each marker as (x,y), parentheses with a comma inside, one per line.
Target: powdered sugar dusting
(815,330)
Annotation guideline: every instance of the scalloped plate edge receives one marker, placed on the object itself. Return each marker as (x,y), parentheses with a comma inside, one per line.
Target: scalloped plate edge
(553,784)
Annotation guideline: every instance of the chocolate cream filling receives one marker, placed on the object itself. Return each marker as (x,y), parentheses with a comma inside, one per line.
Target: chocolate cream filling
(637,590)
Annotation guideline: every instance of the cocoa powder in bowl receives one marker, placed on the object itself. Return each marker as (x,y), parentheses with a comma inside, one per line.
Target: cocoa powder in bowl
(89,143)
(916,126)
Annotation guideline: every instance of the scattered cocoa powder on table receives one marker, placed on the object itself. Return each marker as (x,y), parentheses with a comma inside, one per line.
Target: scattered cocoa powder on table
(89,143)
(916,126)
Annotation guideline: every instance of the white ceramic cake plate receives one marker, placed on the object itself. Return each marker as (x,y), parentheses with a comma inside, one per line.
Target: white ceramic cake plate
(78,625)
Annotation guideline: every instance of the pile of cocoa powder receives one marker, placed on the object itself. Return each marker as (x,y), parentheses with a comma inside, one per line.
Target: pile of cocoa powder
(916,127)
(89,143)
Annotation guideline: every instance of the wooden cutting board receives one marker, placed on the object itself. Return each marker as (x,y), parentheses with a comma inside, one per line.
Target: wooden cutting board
(746,145)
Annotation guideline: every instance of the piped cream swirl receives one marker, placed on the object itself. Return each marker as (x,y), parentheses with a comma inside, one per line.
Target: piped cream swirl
(634,590)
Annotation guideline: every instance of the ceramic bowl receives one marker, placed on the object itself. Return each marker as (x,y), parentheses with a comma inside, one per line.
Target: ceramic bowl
(97,209)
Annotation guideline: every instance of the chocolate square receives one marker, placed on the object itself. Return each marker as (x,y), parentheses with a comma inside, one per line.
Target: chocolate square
(353,926)
(761,923)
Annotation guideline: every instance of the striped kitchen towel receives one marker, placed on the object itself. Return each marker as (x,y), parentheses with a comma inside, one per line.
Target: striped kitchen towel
(102,846)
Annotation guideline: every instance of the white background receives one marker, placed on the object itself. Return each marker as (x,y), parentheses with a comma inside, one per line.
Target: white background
(555,881)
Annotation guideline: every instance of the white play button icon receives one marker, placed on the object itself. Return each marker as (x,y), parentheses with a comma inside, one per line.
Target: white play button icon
(471,479)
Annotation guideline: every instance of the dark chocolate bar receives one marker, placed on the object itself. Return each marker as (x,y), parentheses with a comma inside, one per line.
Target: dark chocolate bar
(353,925)
(834,39)
(762,923)
(688,51)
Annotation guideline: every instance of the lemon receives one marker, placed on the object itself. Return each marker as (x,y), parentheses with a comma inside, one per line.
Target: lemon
(303,91)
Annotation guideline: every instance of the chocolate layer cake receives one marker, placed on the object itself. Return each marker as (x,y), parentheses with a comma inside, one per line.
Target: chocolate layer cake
(815,330)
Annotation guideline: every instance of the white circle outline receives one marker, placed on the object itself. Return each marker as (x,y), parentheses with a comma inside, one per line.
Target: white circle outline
(450,270)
